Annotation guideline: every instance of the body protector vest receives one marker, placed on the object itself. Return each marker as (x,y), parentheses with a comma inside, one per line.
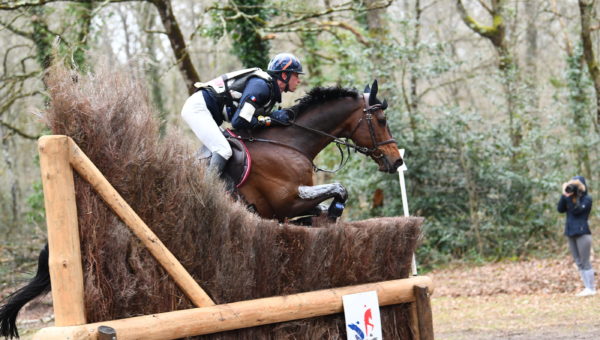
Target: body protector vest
(228,89)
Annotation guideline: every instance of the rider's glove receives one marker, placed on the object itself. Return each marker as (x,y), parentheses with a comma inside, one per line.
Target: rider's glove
(281,116)
(264,121)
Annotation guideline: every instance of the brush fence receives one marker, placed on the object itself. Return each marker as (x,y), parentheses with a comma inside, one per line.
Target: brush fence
(59,155)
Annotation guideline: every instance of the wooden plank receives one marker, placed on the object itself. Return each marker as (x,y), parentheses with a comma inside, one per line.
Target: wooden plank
(66,273)
(424,318)
(207,320)
(84,166)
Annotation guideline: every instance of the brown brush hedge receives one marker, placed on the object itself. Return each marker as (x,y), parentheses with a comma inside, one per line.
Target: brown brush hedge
(232,253)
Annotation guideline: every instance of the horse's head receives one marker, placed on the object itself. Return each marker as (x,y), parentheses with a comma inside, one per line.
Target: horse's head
(372,133)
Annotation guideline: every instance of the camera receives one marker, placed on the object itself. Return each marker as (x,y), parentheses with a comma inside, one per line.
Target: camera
(571,188)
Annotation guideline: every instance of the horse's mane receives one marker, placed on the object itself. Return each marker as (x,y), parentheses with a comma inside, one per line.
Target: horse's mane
(319,95)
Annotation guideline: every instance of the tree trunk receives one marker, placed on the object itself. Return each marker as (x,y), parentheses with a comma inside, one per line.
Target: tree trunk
(531,35)
(152,70)
(12,179)
(377,28)
(496,34)
(586,9)
(413,106)
(178,44)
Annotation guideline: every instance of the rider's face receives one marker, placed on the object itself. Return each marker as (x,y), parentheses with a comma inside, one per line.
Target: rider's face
(294,82)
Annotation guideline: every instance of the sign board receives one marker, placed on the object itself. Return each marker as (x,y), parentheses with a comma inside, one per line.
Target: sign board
(362,316)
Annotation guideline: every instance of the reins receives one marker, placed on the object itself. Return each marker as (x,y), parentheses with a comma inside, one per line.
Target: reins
(315,167)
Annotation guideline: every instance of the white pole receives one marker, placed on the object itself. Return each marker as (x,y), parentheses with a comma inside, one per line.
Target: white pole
(401,170)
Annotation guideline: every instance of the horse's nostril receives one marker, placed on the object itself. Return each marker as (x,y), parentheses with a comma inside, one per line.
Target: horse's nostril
(398,163)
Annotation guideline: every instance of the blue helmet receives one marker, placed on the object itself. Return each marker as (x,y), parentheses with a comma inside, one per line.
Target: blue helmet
(285,62)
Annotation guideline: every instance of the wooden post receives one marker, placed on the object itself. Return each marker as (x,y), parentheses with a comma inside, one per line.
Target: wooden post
(86,168)
(236,315)
(107,333)
(425,319)
(66,273)
(414,321)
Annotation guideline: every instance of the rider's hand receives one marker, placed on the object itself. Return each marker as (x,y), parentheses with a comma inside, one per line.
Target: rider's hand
(264,121)
(281,116)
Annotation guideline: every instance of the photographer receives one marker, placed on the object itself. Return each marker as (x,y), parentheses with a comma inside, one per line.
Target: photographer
(576,202)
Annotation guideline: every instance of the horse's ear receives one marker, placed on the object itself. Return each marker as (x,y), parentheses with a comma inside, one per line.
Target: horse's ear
(384,104)
(373,96)
(367,89)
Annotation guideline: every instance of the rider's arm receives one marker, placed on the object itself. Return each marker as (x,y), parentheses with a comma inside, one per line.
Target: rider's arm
(255,96)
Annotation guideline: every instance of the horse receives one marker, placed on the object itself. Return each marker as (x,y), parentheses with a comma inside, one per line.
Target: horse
(280,185)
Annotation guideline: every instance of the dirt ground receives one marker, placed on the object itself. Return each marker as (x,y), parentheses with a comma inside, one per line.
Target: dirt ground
(512,300)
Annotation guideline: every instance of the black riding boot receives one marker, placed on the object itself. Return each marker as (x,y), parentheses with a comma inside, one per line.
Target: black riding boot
(217,164)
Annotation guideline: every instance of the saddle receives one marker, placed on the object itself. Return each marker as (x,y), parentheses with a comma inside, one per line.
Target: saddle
(239,165)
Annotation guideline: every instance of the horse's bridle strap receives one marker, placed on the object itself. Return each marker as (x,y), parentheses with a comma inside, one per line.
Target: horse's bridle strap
(368,110)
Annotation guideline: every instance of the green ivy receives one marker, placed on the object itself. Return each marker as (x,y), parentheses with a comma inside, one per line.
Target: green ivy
(246,32)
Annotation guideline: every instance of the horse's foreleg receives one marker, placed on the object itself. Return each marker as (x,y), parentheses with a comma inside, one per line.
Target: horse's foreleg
(322,192)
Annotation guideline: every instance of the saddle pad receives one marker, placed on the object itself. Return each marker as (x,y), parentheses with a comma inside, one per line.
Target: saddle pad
(239,165)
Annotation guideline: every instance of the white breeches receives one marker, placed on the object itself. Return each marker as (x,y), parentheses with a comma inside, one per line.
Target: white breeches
(198,117)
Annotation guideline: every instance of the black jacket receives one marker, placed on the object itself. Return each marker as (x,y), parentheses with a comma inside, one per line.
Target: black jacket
(578,212)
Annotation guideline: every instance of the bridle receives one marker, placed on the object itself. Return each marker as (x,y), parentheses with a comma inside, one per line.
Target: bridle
(373,151)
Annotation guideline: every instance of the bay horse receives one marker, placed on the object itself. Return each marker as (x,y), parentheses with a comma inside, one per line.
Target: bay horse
(280,184)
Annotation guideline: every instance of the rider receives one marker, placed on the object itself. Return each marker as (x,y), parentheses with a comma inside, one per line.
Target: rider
(245,98)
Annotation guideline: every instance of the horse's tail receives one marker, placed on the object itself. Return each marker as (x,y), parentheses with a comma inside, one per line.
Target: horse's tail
(39,285)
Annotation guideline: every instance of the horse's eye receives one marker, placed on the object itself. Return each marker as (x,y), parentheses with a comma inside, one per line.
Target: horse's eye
(381,118)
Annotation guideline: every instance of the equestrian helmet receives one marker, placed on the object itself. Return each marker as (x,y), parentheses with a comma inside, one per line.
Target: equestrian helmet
(285,62)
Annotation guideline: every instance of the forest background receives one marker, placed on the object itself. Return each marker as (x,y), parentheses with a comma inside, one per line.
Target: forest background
(496,102)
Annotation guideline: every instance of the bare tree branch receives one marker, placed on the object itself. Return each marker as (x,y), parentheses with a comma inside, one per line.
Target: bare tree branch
(19,77)
(19,131)
(489,32)
(348,27)
(16,31)
(349,6)
(6,55)
(485,5)
(12,5)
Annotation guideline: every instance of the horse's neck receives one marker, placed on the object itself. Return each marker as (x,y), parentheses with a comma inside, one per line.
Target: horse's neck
(326,118)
